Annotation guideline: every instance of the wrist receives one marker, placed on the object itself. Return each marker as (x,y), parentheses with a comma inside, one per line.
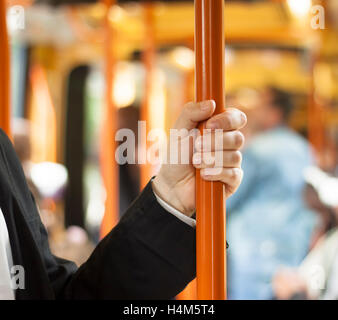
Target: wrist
(167,192)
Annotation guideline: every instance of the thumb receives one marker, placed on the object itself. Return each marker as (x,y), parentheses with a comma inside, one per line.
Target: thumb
(195,112)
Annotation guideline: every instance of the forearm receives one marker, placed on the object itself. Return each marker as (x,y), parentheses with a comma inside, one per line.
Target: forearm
(149,255)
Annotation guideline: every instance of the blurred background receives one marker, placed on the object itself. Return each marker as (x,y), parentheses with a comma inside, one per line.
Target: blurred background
(81,69)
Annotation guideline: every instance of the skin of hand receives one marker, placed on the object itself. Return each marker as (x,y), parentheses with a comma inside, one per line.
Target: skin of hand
(286,283)
(175,183)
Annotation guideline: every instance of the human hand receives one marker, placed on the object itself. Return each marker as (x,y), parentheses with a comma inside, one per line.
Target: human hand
(287,283)
(216,153)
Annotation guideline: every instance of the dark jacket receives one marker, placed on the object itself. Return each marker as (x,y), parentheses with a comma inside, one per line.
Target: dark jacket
(150,254)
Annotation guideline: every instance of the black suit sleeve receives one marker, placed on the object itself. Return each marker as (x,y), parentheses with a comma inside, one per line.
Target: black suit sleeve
(150,254)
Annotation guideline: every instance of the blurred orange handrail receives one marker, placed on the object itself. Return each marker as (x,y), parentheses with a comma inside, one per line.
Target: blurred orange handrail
(148,59)
(23,3)
(5,72)
(108,146)
(210,201)
(42,116)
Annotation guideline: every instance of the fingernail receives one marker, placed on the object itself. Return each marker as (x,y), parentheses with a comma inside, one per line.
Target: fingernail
(206,105)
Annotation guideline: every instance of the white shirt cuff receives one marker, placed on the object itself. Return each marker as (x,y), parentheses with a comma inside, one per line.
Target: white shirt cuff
(191,222)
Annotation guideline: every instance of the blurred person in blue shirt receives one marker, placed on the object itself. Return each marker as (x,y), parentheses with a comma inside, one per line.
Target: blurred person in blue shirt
(268,223)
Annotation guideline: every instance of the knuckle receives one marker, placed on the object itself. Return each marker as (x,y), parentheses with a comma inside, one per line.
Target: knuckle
(207,142)
(237,117)
(219,141)
(234,174)
(239,139)
(236,157)
(208,158)
(225,120)
(188,107)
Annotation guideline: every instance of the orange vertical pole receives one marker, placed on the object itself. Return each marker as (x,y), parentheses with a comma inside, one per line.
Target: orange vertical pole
(108,146)
(210,201)
(42,116)
(148,61)
(5,71)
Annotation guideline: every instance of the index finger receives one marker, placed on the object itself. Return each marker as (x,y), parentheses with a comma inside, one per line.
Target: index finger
(229,120)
